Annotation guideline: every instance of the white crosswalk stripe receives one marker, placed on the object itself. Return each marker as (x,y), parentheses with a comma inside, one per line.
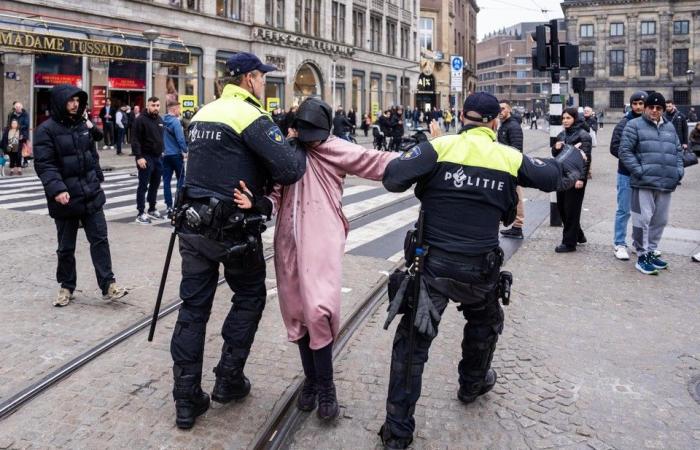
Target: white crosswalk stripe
(120,188)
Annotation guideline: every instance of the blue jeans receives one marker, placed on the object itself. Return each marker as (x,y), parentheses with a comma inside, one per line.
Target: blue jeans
(622,215)
(149,181)
(171,163)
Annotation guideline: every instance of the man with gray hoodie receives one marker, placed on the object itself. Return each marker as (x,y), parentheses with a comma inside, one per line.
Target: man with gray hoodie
(175,148)
(651,151)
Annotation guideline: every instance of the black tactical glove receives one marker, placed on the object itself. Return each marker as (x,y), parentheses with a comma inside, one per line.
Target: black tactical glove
(572,164)
(398,300)
(427,315)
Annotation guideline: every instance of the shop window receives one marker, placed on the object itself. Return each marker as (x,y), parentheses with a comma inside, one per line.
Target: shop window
(375,94)
(390,98)
(339,96)
(50,70)
(617,99)
(358,92)
(274,93)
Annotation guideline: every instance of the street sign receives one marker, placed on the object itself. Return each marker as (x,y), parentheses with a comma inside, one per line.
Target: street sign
(457,68)
(188,102)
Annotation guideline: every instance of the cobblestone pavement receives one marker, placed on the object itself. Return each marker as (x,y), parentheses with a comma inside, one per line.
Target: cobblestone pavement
(594,354)
(123,400)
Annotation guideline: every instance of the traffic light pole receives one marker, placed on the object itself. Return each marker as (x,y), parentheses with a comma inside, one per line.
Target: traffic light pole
(555,112)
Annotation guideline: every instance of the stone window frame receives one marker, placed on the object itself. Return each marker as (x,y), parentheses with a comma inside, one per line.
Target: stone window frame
(648,32)
(617,29)
(680,30)
(616,68)
(587,27)
(647,68)
(617,99)
(584,66)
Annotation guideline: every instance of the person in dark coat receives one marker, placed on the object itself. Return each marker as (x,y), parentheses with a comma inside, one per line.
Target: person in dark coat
(570,202)
(69,169)
(511,133)
(397,130)
(147,146)
(19,114)
(679,122)
(694,139)
(341,125)
(622,215)
(352,117)
(108,115)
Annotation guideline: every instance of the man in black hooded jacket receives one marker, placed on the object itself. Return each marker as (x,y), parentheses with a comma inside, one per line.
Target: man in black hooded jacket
(69,168)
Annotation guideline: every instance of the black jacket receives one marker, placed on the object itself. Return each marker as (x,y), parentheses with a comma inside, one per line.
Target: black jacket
(574,135)
(396,124)
(680,123)
(147,136)
(615,141)
(341,125)
(66,159)
(592,122)
(511,134)
(112,113)
(23,122)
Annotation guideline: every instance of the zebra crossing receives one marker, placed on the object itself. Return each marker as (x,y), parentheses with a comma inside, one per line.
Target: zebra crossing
(383,217)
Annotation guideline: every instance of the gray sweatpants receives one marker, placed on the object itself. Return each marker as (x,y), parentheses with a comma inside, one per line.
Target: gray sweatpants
(649,210)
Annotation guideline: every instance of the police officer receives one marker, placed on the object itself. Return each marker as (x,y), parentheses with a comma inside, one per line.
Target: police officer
(466,184)
(232,139)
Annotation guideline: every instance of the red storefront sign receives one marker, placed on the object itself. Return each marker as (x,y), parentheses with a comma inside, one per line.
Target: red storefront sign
(53,79)
(99,95)
(126,83)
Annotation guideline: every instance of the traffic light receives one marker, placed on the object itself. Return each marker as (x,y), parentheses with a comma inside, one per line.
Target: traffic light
(568,56)
(540,59)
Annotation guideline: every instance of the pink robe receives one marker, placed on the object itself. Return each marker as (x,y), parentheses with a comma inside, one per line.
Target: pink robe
(310,236)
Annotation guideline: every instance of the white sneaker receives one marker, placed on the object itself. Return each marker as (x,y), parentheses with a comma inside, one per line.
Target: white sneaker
(696,257)
(143,219)
(155,215)
(104,147)
(114,292)
(64,297)
(621,253)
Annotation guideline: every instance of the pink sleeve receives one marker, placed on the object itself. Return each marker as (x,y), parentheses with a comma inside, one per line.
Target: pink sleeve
(275,197)
(363,162)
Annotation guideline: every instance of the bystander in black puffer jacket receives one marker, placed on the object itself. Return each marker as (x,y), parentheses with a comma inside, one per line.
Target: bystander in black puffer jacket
(65,157)
(510,133)
(576,134)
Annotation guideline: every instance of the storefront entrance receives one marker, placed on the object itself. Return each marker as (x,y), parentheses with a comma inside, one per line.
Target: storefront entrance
(307,83)
(51,70)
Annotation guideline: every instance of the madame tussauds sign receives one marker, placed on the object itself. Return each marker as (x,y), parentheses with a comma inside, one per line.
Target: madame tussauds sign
(44,43)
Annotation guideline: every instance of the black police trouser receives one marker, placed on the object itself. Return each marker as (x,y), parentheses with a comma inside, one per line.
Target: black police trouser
(200,273)
(570,203)
(96,232)
(484,324)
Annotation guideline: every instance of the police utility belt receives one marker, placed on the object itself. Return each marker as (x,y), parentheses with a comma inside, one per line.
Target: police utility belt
(462,292)
(221,221)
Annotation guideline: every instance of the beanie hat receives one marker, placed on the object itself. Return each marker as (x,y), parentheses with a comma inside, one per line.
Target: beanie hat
(655,99)
(639,95)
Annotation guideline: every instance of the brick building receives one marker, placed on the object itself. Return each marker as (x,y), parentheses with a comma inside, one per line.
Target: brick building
(504,67)
(363,50)
(630,45)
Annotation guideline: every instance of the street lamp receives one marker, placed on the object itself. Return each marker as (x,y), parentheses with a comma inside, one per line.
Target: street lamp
(150,35)
(689,77)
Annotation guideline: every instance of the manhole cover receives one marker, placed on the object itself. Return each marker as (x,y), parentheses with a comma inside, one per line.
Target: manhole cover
(694,388)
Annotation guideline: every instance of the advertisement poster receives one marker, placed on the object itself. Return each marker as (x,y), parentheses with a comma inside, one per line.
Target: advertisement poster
(272,104)
(53,79)
(188,103)
(98,97)
(375,111)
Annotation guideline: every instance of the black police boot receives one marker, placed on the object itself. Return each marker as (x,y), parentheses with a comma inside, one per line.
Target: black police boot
(327,401)
(190,401)
(231,383)
(469,394)
(307,397)
(389,441)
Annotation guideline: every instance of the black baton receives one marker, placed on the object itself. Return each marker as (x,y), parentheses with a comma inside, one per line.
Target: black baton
(156,309)
(417,270)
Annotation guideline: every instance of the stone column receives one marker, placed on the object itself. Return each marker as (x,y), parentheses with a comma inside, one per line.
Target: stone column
(665,56)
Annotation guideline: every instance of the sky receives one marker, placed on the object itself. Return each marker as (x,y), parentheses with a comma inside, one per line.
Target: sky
(496,14)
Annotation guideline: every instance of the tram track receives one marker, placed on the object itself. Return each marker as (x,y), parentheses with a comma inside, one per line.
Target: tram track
(25,395)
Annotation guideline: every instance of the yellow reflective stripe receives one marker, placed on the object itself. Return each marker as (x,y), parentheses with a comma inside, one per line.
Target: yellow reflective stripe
(231,109)
(477,148)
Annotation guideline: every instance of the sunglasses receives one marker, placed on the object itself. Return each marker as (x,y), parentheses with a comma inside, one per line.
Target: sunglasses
(656,108)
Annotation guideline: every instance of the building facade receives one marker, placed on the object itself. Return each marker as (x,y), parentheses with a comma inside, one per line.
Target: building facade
(504,67)
(446,28)
(354,53)
(629,45)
